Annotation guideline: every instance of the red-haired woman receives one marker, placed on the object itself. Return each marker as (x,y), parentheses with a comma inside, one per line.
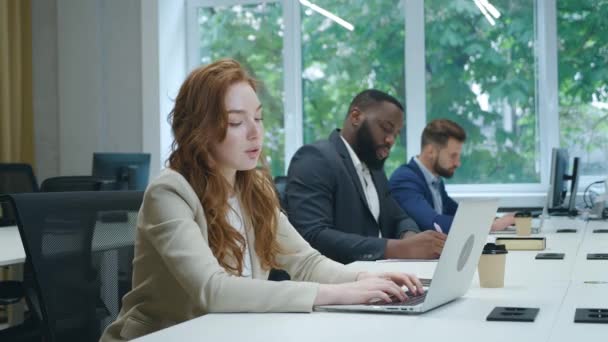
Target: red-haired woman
(210,229)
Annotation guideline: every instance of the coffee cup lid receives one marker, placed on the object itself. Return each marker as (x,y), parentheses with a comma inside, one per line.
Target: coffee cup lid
(492,248)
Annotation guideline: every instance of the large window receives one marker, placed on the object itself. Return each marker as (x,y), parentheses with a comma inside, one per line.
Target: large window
(482,76)
(488,65)
(251,34)
(583,82)
(338,63)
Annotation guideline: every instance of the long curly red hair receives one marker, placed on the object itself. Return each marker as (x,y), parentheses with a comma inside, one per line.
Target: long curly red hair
(199,121)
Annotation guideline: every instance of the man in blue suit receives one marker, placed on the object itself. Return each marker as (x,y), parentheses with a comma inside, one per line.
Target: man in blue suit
(418,186)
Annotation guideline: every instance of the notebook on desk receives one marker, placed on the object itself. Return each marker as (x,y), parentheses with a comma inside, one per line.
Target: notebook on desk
(455,268)
(522,243)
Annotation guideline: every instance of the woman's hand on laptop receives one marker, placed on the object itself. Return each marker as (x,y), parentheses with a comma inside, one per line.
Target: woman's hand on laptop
(413,284)
(369,287)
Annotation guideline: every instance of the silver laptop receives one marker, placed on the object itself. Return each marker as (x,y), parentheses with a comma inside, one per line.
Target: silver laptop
(456,266)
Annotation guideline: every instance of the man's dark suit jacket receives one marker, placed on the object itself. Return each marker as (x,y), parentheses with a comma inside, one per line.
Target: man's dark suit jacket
(410,189)
(325,202)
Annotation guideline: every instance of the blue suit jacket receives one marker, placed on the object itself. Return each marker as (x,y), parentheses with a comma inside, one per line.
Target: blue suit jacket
(410,190)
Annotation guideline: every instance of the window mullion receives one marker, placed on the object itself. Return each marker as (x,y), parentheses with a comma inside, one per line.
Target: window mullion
(547,86)
(292,64)
(415,85)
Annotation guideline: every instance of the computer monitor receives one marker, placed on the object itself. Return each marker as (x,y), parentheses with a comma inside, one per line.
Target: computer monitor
(558,188)
(573,186)
(126,171)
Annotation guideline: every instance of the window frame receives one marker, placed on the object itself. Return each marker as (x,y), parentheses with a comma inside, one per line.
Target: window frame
(546,91)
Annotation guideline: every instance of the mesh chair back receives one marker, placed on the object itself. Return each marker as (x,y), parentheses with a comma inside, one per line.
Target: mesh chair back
(280,183)
(17,178)
(71,183)
(14,178)
(60,231)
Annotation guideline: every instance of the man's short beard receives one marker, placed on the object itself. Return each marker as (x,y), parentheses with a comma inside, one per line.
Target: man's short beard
(445,173)
(365,148)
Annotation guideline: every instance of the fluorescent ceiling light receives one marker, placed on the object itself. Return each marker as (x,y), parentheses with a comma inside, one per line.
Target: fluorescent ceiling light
(488,11)
(493,11)
(328,14)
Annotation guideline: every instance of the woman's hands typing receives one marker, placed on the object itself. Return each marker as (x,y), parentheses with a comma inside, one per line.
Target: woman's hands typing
(370,287)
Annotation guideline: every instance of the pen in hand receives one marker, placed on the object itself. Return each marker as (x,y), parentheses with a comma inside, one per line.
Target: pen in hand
(437,227)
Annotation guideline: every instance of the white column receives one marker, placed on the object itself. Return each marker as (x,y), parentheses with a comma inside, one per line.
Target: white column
(415,85)
(150,88)
(547,86)
(292,77)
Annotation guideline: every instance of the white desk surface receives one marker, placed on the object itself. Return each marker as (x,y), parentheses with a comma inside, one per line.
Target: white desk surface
(581,296)
(554,286)
(11,248)
(462,320)
(107,236)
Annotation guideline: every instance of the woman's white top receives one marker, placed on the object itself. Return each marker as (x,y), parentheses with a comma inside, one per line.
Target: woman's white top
(235,219)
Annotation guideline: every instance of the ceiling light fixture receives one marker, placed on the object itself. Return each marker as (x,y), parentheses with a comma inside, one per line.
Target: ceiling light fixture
(328,15)
(488,10)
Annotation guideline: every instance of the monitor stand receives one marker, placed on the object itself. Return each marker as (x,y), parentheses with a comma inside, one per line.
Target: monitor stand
(561,212)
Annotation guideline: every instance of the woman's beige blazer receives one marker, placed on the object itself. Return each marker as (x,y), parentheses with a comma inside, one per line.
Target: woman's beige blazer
(177,278)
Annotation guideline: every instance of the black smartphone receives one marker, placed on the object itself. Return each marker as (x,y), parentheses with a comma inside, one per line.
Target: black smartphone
(591,316)
(550,256)
(597,256)
(566,230)
(512,314)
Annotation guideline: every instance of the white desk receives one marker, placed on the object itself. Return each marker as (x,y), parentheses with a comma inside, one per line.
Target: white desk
(592,270)
(107,236)
(12,254)
(11,248)
(462,320)
(581,296)
(550,285)
(523,268)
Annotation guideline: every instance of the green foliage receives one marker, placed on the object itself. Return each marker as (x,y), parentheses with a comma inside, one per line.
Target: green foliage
(469,63)
(252,35)
(465,53)
(583,75)
(370,56)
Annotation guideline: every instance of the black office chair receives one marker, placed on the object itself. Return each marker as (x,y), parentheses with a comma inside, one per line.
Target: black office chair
(58,230)
(71,183)
(17,178)
(14,178)
(280,182)
(12,292)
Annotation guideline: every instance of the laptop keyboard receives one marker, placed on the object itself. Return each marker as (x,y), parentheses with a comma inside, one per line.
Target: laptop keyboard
(410,301)
(411,298)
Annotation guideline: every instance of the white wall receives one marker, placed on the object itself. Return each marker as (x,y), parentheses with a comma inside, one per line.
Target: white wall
(164,69)
(105,76)
(121,55)
(87,82)
(44,63)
